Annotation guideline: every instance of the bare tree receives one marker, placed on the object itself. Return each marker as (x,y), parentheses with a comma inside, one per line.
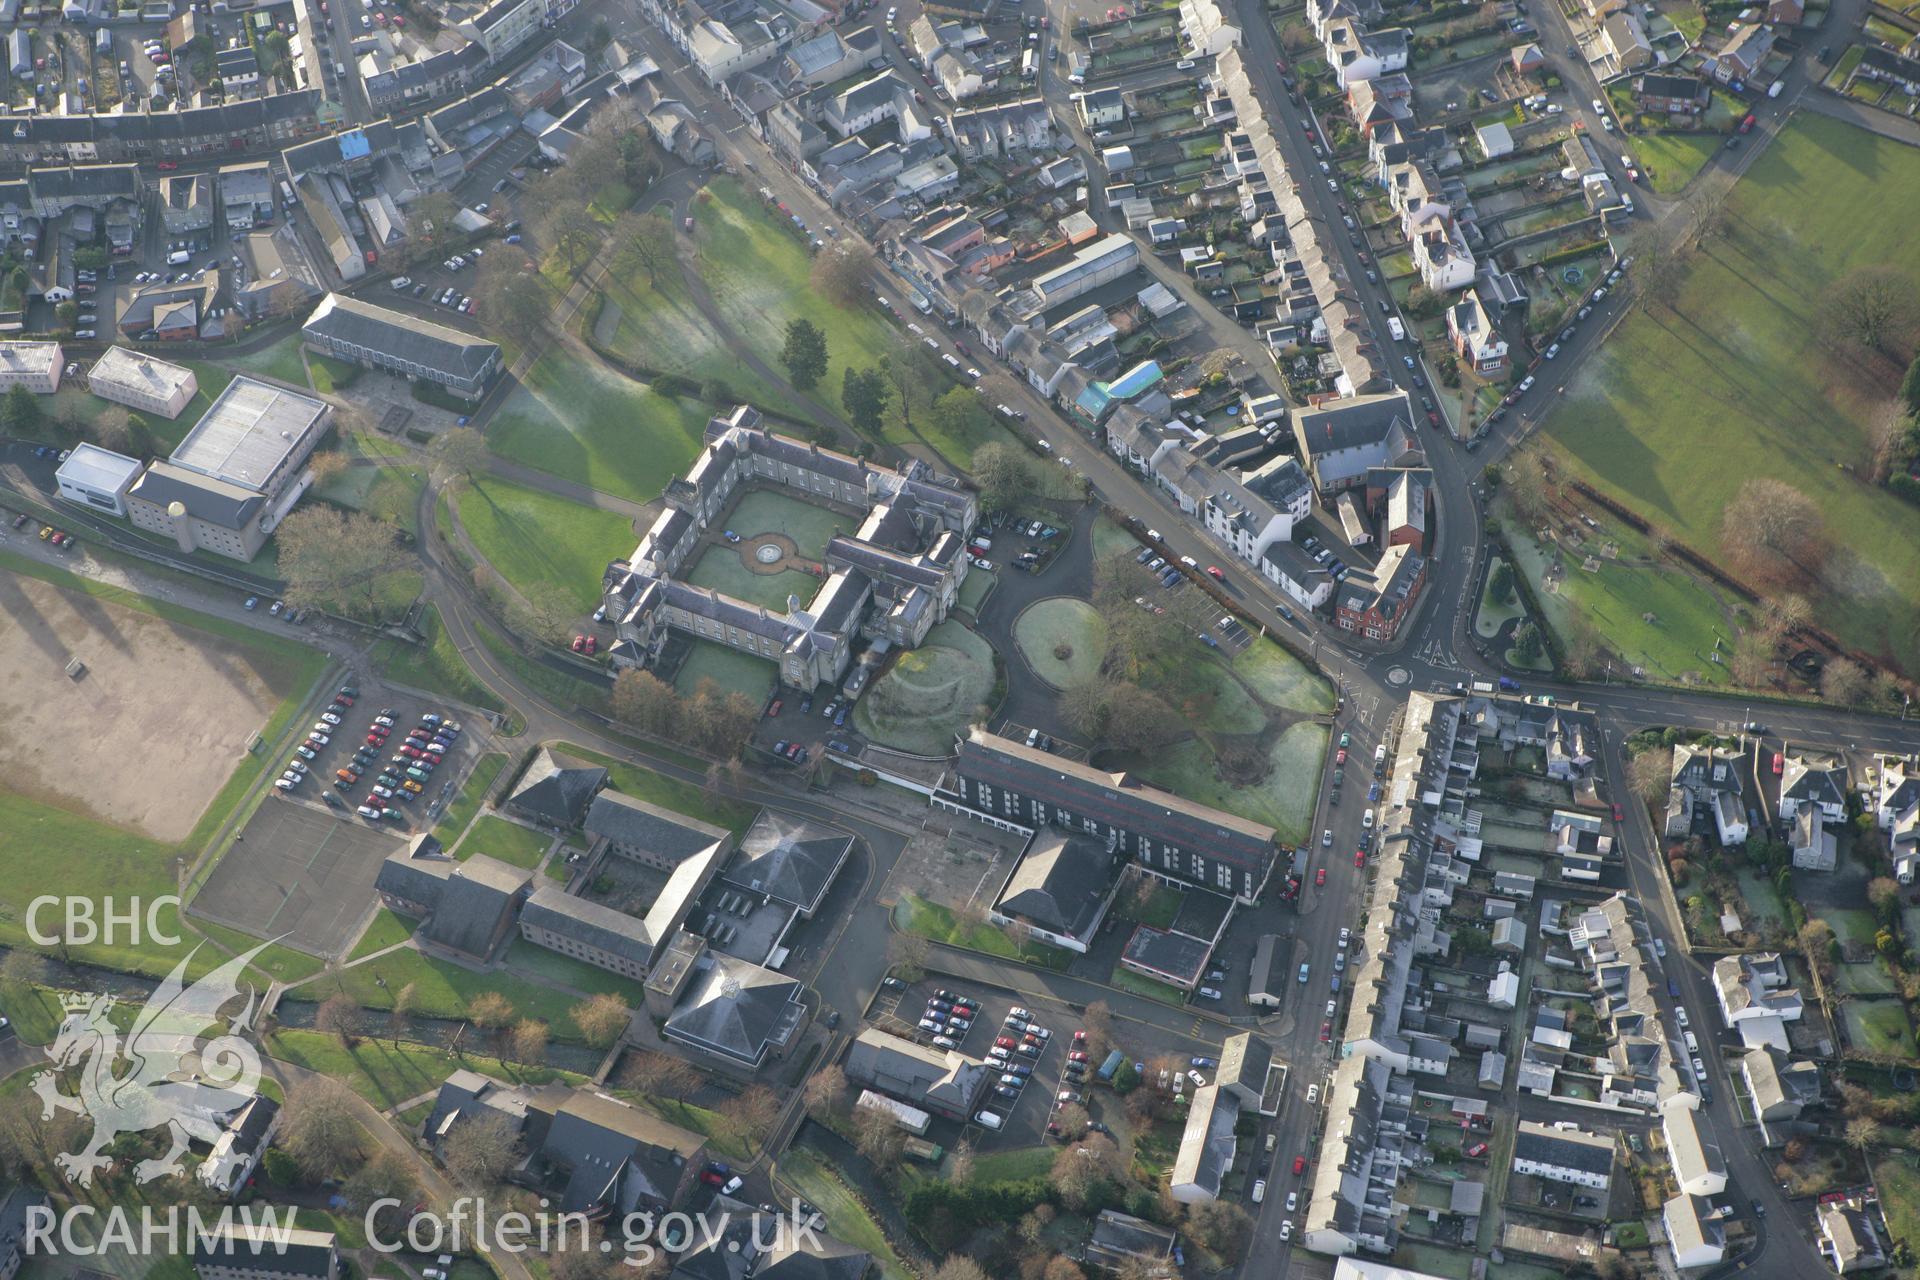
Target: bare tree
(480,1150)
(385,1174)
(573,231)
(840,271)
(1770,526)
(745,1119)
(339,1015)
(319,1129)
(826,1090)
(338,560)
(1844,682)
(326,465)
(490,1011)
(1524,482)
(1138,719)
(401,1015)
(1062,1268)
(1221,1225)
(1080,1171)
(959,1267)
(1650,774)
(511,294)
(645,701)
(459,451)
(1097,1022)
(528,1042)
(1871,307)
(660,1075)
(602,1019)
(1864,1132)
(646,247)
(879,1138)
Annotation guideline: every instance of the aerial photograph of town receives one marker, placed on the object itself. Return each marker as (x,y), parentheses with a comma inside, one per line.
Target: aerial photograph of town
(959,639)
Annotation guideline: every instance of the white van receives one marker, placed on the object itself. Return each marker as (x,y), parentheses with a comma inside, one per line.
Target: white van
(1398,330)
(988,1118)
(177,257)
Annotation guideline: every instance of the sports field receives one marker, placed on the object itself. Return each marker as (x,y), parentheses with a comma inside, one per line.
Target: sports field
(1731,370)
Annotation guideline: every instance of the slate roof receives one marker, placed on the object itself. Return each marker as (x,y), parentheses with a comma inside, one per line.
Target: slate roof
(218,502)
(1122,1235)
(555,792)
(737,1009)
(402,336)
(798,1257)
(673,836)
(280,1250)
(1562,1149)
(590,923)
(1060,883)
(1207,1143)
(915,1073)
(789,859)
(618,1154)
(1355,422)
(476,895)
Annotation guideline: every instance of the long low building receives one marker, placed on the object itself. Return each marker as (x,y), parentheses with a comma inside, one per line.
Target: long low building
(417,349)
(938,1080)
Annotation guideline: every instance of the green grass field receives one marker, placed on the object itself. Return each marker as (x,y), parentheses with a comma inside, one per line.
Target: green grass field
(442,989)
(731,669)
(1048,629)
(759,272)
(467,802)
(847,1218)
(1283,679)
(658,327)
(1731,370)
(581,421)
(390,493)
(385,1075)
(720,568)
(537,540)
(1492,615)
(386,930)
(915,914)
(1670,160)
(1897,1175)
(776,511)
(280,360)
(434,666)
(510,842)
(1879,1026)
(1283,799)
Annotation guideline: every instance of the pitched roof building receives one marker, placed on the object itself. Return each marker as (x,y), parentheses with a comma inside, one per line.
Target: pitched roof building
(939,1080)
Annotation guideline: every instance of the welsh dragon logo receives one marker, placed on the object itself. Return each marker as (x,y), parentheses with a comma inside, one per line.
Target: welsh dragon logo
(137,1084)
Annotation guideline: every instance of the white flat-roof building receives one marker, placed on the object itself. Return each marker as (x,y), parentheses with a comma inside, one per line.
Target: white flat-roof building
(97,477)
(142,382)
(33,365)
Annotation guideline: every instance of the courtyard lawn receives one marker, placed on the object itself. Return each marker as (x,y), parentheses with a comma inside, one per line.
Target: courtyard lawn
(538,541)
(720,568)
(387,930)
(778,511)
(1141,985)
(759,271)
(929,694)
(1282,679)
(467,802)
(1283,799)
(384,1074)
(643,783)
(975,590)
(443,989)
(579,420)
(730,669)
(914,914)
(1855,925)
(280,361)
(522,957)
(1669,161)
(1879,1026)
(1109,539)
(1729,371)
(433,666)
(510,842)
(1063,640)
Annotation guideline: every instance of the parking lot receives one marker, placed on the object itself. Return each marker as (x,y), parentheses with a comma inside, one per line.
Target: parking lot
(380,759)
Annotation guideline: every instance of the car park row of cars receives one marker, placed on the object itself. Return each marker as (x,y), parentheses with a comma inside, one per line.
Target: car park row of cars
(1015,1053)
(948,1018)
(400,778)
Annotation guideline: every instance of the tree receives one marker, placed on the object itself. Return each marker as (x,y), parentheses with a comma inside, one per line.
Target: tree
(1650,774)
(1083,1170)
(745,1118)
(480,1149)
(646,247)
(1844,682)
(908,376)
(660,1074)
(1062,1268)
(1871,307)
(841,269)
(1083,705)
(1004,475)
(319,1129)
(1500,583)
(19,411)
(1768,522)
(1097,1022)
(1883,892)
(528,1042)
(825,1090)
(1910,386)
(401,1014)
(339,1015)
(573,231)
(490,1011)
(511,294)
(877,1137)
(959,1267)
(338,559)
(645,701)
(1221,1225)
(804,355)
(1138,719)
(957,414)
(602,1019)
(1524,482)
(1864,1132)
(863,394)
(459,450)
(385,1174)
(1526,643)
(115,431)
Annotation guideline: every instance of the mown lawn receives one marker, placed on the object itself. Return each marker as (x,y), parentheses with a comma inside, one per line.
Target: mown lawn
(444,990)
(467,803)
(511,843)
(386,1075)
(659,328)
(434,666)
(536,540)
(579,420)
(387,929)
(1669,161)
(1731,371)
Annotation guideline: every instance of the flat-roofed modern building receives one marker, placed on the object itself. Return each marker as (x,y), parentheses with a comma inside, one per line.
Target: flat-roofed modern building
(407,345)
(97,478)
(33,365)
(236,475)
(142,382)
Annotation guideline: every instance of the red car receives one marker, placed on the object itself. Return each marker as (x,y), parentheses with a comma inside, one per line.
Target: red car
(1320,876)
(713,1179)
(1779,762)
(1076,1057)
(1477,1149)
(166,165)
(374,740)
(1326,1032)
(412,753)
(342,700)
(1213,571)
(1359,857)
(1340,756)
(773,708)
(1746,126)
(1079,1036)
(1619,814)
(1299,1165)
(579,644)
(593,645)
(1005,1042)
